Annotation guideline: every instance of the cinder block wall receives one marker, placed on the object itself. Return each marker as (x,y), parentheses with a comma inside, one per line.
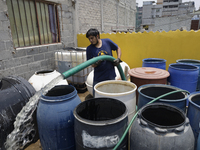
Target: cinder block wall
(25,62)
(171,23)
(105,14)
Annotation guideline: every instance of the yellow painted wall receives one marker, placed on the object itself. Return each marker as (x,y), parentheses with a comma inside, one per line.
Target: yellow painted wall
(170,45)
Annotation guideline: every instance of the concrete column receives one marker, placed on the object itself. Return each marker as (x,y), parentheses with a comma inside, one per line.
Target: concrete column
(102,22)
(75,21)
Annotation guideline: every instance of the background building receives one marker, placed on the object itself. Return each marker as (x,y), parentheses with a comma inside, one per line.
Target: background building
(167,15)
(138,18)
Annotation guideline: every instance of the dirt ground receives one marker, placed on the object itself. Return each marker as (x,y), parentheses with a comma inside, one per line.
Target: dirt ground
(37,145)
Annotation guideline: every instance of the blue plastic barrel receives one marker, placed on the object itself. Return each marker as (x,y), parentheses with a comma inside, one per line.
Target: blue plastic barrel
(192,62)
(184,76)
(154,62)
(55,118)
(148,92)
(193,114)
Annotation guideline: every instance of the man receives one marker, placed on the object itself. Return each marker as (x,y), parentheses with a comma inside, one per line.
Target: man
(103,70)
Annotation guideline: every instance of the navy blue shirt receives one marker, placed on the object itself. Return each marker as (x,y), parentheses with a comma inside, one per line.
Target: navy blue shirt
(104,71)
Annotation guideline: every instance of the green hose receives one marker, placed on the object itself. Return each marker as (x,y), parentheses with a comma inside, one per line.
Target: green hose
(127,129)
(90,62)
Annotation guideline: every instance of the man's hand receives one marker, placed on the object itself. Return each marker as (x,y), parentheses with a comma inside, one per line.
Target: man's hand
(98,62)
(116,62)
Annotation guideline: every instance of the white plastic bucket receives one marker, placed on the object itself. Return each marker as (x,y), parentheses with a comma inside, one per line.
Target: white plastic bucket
(124,91)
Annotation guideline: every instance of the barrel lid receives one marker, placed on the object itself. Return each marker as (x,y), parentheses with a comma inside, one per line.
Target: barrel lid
(148,73)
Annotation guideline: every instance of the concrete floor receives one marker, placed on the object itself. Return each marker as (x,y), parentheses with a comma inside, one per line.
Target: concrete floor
(37,145)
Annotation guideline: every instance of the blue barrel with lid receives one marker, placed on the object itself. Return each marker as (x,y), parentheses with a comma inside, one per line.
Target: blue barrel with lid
(154,62)
(55,118)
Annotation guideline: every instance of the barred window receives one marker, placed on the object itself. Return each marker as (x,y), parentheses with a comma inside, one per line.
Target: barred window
(33,22)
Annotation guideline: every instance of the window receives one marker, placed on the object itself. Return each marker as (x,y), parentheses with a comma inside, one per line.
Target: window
(146,27)
(157,10)
(33,22)
(173,6)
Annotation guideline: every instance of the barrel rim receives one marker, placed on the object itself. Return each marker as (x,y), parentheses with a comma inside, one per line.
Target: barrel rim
(115,82)
(25,85)
(161,85)
(196,62)
(101,123)
(59,98)
(184,64)
(160,60)
(190,99)
(163,104)
(45,71)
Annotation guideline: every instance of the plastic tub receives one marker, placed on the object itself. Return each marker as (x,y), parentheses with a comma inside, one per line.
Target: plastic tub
(100,123)
(124,91)
(148,92)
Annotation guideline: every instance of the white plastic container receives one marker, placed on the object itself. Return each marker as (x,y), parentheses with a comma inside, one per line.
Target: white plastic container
(89,81)
(124,91)
(43,77)
(70,58)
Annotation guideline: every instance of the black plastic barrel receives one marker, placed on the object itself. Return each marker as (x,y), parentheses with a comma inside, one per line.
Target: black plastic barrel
(148,92)
(100,123)
(160,126)
(154,62)
(55,118)
(14,94)
(193,114)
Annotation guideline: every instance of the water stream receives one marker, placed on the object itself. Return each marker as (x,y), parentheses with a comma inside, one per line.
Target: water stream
(23,126)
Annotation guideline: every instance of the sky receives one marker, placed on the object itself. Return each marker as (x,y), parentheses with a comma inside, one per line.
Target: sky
(197,2)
